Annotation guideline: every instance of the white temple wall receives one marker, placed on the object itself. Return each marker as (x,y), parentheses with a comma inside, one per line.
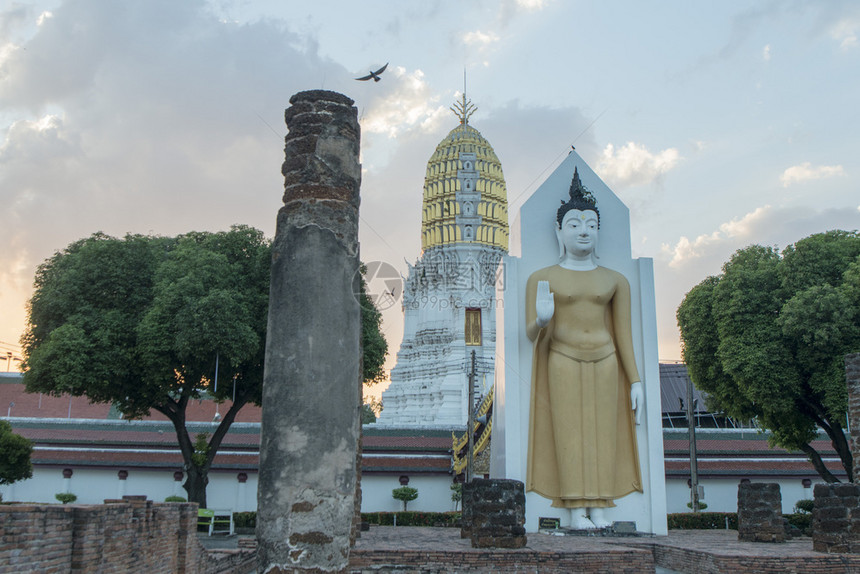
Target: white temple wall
(94,485)
(721,494)
(434,494)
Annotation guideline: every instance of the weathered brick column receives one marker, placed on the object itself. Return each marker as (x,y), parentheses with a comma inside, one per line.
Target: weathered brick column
(852,380)
(760,512)
(836,518)
(498,513)
(466,497)
(311,395)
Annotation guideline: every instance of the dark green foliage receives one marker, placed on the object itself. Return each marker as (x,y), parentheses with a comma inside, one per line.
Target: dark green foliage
(15,452)
(457,494)
(374,347)
(66,497)
(702,505)
(444,519)
(201,449)
(802,521)
(175,499)
(142,321)
(245,519)
(405,494)
(766,339)
(702,520)
(805,505)
(367,414)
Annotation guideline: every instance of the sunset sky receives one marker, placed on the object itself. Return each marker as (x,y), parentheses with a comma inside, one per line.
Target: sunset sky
(720,124)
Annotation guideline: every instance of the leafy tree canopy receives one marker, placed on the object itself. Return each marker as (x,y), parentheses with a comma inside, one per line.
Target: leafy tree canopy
(767,339)
(15,453)
(373,344)
(145,322)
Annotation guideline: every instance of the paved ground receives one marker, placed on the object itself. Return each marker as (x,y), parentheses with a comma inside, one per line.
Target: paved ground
(219,541)
(716,542)
(713,541)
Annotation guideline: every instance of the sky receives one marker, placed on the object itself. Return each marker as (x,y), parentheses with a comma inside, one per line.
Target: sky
(719,124)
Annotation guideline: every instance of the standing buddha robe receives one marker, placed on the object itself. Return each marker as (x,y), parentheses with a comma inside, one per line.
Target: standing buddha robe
(582,438)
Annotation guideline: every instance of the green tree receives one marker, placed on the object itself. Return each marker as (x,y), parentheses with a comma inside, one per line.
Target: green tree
(457,494)
(367,414)
(767,339)
(146,322)
(15,452)
(405,494)
(373,344)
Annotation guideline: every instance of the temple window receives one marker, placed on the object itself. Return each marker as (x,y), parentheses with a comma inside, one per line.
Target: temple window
(473,327)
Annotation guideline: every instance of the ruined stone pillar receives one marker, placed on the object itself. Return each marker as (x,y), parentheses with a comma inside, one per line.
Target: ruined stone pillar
(836,518)
(311,397)
(760,512)
(852,380)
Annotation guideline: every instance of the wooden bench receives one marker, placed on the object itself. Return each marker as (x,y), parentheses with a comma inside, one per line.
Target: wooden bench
(218,521)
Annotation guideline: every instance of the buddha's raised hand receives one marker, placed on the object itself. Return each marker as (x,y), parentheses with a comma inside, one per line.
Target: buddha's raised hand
(544,303)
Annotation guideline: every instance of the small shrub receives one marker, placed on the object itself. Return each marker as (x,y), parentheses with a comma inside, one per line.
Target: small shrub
(405,494)
(702,505)
(440,519)
(66,497)
(245,519)
(802,520)
(804,505)
(175,499)
(702,520)
(457,494)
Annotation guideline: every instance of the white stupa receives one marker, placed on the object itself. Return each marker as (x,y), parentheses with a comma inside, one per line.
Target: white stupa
(449,298)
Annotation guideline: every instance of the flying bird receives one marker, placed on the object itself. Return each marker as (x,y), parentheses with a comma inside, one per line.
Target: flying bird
(374,75)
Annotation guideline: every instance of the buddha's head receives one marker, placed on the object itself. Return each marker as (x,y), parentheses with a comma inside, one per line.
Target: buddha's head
(578,221)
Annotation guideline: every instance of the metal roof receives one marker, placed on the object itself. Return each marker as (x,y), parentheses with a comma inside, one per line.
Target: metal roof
(673,389)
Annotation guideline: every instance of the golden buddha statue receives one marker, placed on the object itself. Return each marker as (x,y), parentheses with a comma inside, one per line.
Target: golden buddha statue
(585,385)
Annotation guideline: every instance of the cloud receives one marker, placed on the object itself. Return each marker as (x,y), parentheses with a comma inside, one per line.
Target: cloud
(141,117)
(633,164)
(510,10)
(805,172)
(765,53)
(685,250)
(480,39)
(409,104)
(532,5)
(767,225)
(844,31)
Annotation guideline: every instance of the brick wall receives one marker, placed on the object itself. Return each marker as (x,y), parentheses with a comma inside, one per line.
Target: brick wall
(628,560)
(852,379)
(702,562)
(836,518)
(133,535)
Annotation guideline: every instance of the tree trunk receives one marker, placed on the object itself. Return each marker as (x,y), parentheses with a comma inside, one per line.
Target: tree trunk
(837,439)
(816,461)
(195,486)
(840,443)
(198,478)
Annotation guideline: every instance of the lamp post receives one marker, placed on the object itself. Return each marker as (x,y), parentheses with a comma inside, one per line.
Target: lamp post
(470,423)
(694,466)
